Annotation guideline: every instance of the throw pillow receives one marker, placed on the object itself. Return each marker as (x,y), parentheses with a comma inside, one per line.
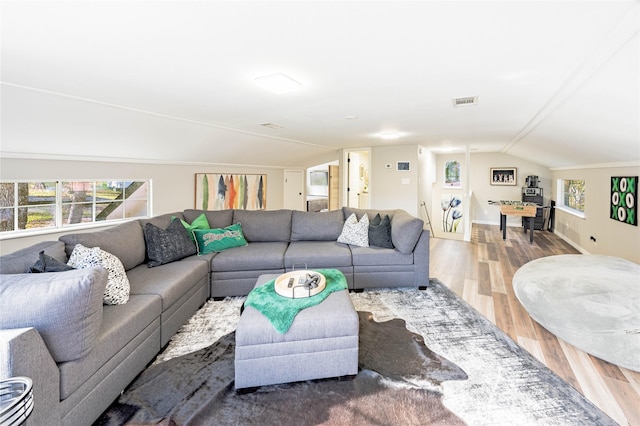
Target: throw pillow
(200,222)
(65,308)
(167,245)
(117,291)
(380,232)
(46,263)
(219,239)
(355,232)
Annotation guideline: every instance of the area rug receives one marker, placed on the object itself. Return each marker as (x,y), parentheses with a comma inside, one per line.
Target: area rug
(426,357)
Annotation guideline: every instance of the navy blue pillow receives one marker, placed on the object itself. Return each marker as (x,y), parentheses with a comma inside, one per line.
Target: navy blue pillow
(380,232)
(46,263)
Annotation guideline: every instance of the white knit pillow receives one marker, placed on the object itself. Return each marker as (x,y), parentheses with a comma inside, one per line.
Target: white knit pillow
(117,291)
(354,232)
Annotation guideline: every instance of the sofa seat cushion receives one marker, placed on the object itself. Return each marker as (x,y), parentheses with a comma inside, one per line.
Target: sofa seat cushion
(65,308)
(125,241)
(317,254)
(170,281)
(120,325)
(369,256)
(20,261)
(264,225)
(261,255)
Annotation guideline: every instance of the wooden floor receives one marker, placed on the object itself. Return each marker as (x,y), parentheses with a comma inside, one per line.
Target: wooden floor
(481,272)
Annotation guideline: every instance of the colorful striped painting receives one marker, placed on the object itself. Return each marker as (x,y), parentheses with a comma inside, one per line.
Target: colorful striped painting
(220,191)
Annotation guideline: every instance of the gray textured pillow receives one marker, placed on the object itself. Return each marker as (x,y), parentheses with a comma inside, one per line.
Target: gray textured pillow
(65,308)
(167,245)
(355,232)
(46,263)
(380,232)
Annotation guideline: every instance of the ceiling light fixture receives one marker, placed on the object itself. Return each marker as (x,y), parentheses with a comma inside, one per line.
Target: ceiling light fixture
(278,83)
(389,135)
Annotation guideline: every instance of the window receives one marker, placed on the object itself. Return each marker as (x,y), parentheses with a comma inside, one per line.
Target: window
(571,195)
(55,204)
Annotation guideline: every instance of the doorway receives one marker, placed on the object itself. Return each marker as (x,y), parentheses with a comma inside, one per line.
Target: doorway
(294,183)
(357,190)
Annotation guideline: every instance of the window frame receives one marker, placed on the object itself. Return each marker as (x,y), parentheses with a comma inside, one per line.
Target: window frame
(60,205)
(560,198)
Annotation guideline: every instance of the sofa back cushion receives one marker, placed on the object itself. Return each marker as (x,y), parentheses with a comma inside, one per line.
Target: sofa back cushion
(264,225)
(20,261)
(216,218)
(316,226)
(405,229)
(125,241)
(65,308)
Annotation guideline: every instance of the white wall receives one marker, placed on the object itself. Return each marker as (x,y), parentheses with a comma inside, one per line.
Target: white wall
(392,189)
(173,186)
(483,191)
(612,237)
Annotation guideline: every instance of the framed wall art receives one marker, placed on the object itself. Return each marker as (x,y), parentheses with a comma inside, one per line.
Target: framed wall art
(403,166)
(624,197)
(506,176)
(220,191)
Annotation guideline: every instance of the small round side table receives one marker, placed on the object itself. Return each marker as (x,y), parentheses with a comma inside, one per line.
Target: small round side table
(16,400)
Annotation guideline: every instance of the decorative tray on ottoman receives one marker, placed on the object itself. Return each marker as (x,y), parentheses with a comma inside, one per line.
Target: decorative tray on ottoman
(300,283)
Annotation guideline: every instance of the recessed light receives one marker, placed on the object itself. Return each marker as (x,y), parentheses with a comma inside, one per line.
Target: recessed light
(350,117)
(389,135)
(278,83)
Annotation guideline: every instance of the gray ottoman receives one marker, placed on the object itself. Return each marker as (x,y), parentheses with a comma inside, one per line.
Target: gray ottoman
(322,342)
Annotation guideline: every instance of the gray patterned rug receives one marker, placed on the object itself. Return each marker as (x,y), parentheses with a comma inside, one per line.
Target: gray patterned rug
(462,369)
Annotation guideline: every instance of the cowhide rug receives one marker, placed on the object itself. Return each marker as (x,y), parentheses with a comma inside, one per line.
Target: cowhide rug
(485,379)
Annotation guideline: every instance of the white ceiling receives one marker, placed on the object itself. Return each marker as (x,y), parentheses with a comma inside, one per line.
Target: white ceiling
(557,81)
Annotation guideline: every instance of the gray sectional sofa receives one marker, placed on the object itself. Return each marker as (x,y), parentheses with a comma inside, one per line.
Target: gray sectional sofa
(81,354)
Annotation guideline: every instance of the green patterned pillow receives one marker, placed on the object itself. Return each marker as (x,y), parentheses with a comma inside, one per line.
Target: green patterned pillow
(199,222)
(219,239)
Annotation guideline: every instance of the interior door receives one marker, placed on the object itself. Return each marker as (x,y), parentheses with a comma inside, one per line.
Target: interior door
(353,189)
(294,190)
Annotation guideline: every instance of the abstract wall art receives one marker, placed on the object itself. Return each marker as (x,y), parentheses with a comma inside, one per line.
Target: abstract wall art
(220,191)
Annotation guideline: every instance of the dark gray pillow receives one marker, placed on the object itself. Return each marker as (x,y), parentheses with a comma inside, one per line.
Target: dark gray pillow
(167,245)
(46,263)
(380,232)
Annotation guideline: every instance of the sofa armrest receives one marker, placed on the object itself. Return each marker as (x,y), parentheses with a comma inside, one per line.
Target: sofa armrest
(421,260)
(23,353)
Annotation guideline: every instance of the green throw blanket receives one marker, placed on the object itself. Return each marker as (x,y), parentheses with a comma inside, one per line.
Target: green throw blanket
(280,310)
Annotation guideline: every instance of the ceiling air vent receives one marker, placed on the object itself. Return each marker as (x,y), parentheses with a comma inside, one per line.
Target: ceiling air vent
(271,125)
(466,101)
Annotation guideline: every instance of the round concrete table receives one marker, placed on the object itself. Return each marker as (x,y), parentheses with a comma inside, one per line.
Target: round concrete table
(590,301)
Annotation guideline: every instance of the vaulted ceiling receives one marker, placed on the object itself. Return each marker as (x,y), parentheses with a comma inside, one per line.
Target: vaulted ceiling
(557,82)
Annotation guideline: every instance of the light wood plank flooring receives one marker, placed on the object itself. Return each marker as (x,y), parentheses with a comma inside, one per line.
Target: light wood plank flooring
(481,271)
